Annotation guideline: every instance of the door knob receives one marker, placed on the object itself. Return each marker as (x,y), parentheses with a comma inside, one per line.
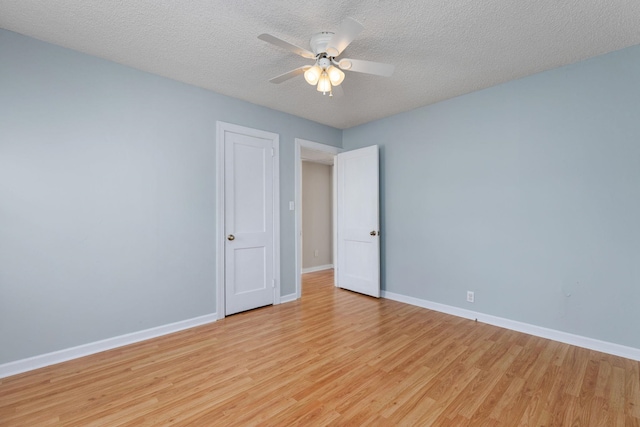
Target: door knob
(231,237)
(373,233)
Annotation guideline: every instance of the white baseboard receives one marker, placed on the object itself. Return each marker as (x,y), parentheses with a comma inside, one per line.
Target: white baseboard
(288,298)
(40,361)
(317,268)
(35,362)
(552,334)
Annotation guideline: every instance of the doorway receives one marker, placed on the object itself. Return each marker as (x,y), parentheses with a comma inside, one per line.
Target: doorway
(317,213)
(314,152)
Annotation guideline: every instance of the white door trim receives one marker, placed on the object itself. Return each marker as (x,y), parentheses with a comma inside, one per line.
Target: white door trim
(298,202)
(221,128)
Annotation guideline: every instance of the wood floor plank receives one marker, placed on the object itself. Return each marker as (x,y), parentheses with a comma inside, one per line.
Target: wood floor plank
(333,357)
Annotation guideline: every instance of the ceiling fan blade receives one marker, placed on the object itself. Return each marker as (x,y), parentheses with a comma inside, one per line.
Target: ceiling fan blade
(286,45)
(349,30)
(290,74)
(368,67)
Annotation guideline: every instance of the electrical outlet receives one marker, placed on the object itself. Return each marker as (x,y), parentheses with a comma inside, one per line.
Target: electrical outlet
(316,253)
(470,296)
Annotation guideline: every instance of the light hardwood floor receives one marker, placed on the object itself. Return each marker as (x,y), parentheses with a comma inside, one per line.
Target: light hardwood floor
(332,358)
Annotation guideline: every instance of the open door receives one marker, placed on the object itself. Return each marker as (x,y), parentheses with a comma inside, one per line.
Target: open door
(358,257)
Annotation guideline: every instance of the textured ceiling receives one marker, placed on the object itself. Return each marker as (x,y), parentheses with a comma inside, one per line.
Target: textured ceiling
(441,48)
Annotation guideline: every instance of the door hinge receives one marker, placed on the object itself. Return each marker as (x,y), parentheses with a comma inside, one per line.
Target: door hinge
(273,283)
(273,151)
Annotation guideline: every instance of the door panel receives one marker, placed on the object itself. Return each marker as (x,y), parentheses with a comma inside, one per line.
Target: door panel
(358,266)
(249,257)
(248,162)
(249,279)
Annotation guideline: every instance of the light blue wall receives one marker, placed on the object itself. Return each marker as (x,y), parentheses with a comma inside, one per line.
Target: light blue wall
(527,193)
(107,196)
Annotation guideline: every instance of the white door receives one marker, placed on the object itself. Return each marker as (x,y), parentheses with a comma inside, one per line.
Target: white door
(358,266)
(249,221)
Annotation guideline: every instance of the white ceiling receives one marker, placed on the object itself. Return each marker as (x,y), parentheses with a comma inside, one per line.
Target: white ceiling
(441,48)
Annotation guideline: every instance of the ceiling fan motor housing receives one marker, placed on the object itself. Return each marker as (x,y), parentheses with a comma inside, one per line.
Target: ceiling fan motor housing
(320,41)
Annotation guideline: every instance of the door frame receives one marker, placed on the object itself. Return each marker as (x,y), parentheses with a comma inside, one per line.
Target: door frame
(299,143)
(221,128)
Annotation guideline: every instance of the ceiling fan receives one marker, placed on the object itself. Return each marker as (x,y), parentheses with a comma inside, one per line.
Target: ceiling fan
(326,74)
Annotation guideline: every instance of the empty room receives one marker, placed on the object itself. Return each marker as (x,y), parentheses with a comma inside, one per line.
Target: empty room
(370,213)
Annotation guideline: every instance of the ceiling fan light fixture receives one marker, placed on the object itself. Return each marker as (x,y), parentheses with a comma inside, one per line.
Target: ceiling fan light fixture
(335,75)
(324,83)
(312,75)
